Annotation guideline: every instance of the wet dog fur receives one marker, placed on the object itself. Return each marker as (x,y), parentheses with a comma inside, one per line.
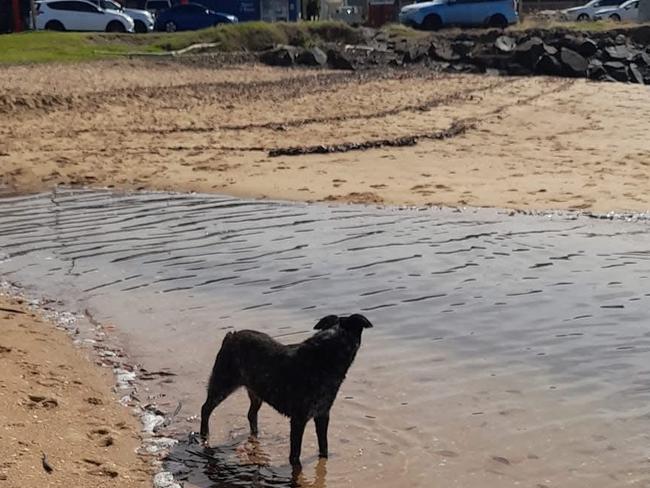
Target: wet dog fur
(298,380)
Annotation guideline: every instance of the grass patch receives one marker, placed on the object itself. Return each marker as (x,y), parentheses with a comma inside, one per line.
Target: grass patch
(405,32)
(257,36)
(45,46)
(41,47)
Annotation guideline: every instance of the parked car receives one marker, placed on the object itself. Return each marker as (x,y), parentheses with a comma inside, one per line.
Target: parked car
(588,11)
(157,6)
(190,16)
(628,12)
(142,20)
(434,14)
(80,15)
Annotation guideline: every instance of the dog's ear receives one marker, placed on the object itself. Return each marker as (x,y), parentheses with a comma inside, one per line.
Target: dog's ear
(327,322)
(356,321)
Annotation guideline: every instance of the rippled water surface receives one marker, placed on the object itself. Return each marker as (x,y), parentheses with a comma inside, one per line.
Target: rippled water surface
(507,350)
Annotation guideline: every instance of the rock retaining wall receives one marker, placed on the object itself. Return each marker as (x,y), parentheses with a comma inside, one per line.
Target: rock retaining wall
(619,55)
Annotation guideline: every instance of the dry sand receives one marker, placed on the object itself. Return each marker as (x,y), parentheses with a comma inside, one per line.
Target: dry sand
(531,143)
(53,401)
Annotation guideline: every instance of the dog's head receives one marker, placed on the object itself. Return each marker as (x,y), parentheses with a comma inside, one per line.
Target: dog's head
(355,322)
(327,322)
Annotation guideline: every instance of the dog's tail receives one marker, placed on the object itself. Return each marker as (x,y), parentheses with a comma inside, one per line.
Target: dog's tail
(223,363)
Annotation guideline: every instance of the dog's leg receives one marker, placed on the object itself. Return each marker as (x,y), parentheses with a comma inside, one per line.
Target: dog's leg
(224,379)
(206,410)
(297,431)
(322,421)
(218,391)
(256,403)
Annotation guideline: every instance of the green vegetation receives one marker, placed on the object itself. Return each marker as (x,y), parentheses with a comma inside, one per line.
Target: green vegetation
(256,36)
(404,32)
(34,47)
(38,47)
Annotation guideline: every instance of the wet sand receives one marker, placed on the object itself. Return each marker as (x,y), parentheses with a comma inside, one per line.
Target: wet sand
(507,350)
(54,401)
(529,143)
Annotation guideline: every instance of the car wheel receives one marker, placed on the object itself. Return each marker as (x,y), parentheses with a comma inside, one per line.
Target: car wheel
(615,17)
(140,27)
(115,26)
(583,18)
(54,25)
(432,22)
(498,21)
(170,26)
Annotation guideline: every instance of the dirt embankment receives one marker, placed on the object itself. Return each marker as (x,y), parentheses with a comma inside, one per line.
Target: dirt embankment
(404,136)
(60,425)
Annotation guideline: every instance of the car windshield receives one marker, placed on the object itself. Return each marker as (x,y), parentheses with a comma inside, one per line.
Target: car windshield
(108,5)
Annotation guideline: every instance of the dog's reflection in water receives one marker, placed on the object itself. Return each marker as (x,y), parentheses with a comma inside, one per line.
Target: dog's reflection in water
(248,465)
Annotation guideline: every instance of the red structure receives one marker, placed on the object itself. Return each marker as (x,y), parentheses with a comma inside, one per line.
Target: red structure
(381,12)
(18,22)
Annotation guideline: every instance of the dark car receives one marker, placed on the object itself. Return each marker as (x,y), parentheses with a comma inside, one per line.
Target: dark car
(190,16)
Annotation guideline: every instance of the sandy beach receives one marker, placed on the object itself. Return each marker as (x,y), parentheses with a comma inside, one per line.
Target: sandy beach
(525,143)
(57,403)
(465,140)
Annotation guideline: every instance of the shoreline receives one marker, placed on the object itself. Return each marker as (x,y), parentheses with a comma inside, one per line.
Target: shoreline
(616,215)
(107,440)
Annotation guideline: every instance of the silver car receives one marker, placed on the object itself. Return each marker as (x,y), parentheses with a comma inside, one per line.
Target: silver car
(143,21)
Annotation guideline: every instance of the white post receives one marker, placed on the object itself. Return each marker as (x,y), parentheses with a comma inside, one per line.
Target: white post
(32,8)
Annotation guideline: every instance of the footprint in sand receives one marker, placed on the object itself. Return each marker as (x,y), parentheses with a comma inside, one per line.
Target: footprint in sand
(448,454)
(41,401)
(102,436)
(420,187)
(501,460)
(107,471)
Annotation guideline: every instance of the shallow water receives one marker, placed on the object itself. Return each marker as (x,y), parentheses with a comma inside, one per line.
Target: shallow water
(507,350)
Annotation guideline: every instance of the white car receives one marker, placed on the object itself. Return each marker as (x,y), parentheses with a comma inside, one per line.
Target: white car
(627,12)
(588,11)
(80,15)
(142,20)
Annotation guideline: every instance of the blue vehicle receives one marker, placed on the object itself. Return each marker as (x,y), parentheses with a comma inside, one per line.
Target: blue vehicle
(190,16)
(435,14)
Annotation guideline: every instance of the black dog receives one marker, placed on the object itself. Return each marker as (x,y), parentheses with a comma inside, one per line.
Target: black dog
(299,380)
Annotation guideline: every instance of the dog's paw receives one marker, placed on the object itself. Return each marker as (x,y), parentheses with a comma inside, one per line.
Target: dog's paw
(296,469)
(295,463)
(195,438)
